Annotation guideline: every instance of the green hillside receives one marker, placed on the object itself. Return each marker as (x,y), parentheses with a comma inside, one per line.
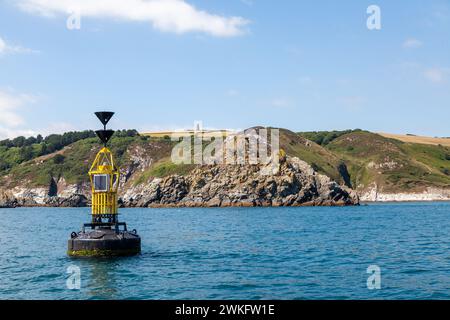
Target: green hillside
(324,138)
(321,159)
(354,157)
(72,162)
(392,164)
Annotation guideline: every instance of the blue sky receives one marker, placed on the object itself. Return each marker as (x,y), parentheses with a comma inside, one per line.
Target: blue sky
(301,65)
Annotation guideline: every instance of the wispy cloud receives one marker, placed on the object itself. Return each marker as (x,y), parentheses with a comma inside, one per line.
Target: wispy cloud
(10,107)
(412,43)
(442,12)
(437,75)
(175,16)
(7,133)
(433,74)
(8,48)
(2,45)
(438,16)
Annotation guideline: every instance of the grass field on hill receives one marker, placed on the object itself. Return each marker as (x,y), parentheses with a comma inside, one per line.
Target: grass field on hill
(418,139)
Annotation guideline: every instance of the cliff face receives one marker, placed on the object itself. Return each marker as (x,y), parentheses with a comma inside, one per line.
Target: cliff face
(69,196)
(292,183)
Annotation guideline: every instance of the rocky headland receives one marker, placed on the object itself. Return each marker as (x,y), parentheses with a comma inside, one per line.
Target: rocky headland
(292,183)
(320,169)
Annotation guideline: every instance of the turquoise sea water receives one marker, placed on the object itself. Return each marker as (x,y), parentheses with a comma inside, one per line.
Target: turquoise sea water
(256,253)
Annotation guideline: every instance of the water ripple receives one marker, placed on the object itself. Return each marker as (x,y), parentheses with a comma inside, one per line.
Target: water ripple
(236,253)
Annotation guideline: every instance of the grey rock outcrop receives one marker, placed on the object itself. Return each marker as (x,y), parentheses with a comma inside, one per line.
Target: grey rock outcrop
(295,183)
(7,201)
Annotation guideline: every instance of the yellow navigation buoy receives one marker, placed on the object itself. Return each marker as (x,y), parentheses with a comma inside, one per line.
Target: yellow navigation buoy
(106,238)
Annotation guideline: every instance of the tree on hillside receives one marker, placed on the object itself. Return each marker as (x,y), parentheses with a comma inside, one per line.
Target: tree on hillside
(19,141)
(26,153)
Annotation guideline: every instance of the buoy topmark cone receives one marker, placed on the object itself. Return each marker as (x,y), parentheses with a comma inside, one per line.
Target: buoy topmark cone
(105,235)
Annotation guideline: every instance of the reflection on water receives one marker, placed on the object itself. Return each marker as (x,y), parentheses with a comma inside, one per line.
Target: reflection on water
(101,283)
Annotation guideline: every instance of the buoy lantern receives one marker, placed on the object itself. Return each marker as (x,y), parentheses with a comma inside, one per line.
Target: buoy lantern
(105,235)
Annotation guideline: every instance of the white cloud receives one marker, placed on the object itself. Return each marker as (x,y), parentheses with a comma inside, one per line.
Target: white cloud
(176,16)
(10,118)
(437,75)
(6,133)
(7,48)
(412,43)
(2,45)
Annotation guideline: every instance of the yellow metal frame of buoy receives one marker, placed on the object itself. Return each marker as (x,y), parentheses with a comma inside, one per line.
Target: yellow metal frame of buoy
(104,201)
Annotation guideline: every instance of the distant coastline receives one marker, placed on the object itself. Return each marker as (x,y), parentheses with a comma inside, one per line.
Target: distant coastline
(322,168)
(430,194)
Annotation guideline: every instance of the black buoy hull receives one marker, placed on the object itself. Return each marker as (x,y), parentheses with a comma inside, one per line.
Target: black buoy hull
(104,243)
